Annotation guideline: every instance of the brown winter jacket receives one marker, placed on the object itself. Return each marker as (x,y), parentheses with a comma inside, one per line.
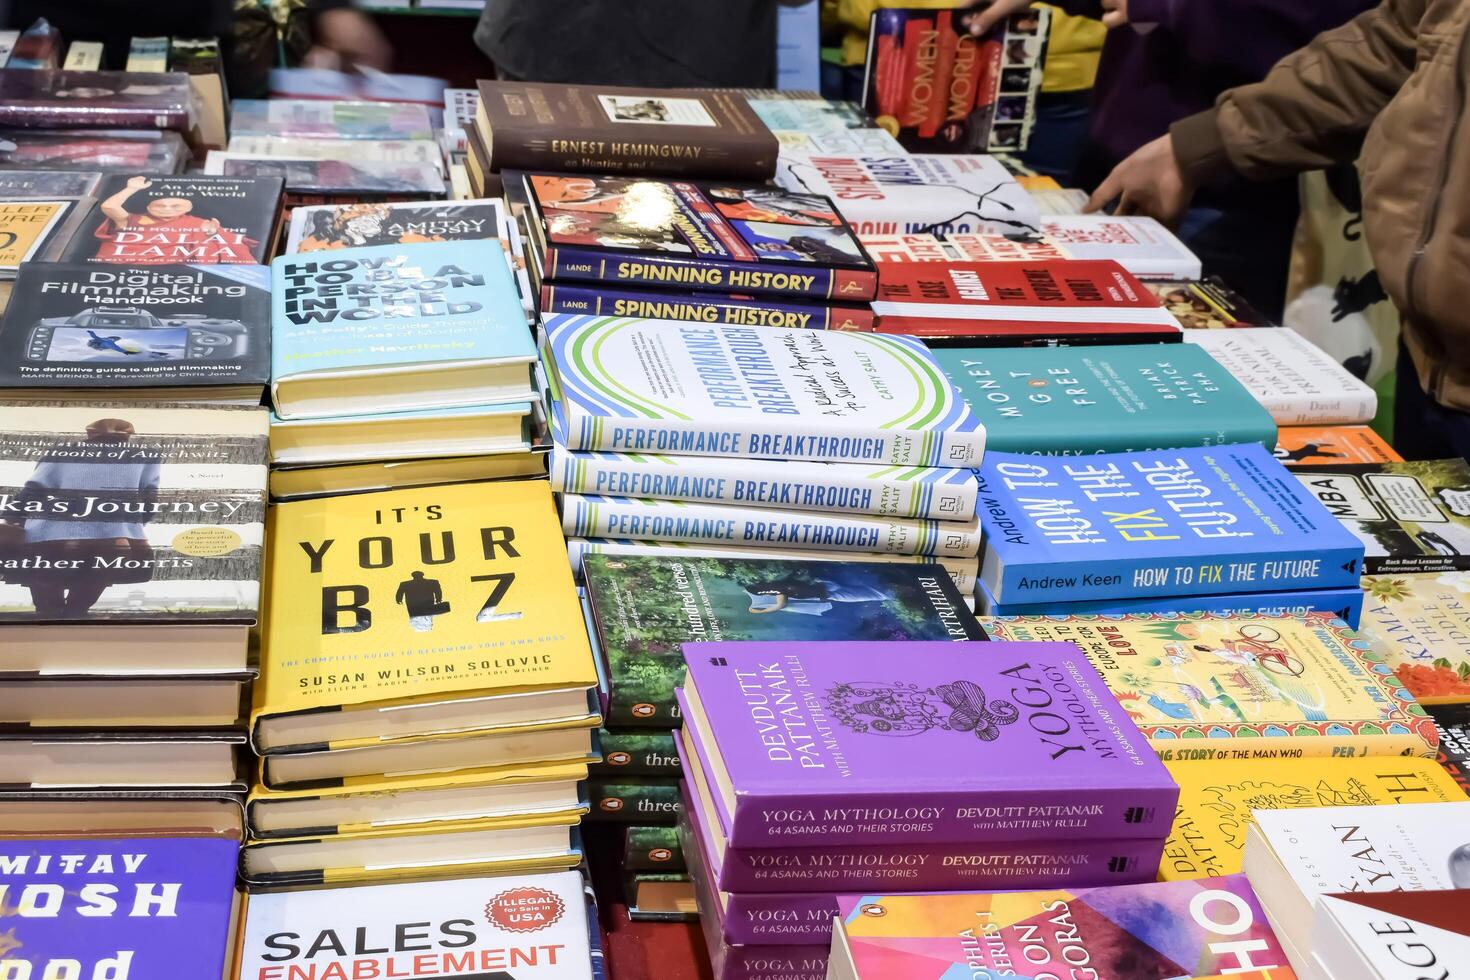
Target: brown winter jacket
(1389,89)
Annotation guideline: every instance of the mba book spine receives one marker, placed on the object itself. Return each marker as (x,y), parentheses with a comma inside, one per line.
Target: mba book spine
(832,488)
(672,520)
(709,274)
(744,311)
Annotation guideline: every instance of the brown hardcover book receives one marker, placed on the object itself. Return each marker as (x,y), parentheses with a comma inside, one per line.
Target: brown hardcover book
(612,130)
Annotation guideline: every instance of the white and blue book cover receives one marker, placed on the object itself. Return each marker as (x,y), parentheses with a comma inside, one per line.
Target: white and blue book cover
(1206,521)
(1344,603)
(387,308)
(117,909)
(629,384)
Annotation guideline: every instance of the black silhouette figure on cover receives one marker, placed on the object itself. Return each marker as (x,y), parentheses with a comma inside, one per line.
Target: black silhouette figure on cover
(422,599)
(1308,450)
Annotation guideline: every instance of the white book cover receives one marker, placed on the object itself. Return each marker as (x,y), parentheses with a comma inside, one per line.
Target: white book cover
(587,516)
(963,571)
(530,927)
(964,247)
(333,226)
(8,41)
(1393,935)
(891,491)
(934,193)
(313,148)
(460,106)
(1297,381)
(629,384)
(1137,242)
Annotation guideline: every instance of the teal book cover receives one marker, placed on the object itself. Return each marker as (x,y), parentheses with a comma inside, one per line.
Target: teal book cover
(383,308)
(1069,401)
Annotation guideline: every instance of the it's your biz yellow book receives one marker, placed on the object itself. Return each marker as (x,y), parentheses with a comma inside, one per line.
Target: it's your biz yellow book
(453,606)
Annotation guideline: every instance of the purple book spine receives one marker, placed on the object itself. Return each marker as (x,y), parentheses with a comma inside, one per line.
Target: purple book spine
(641,269)
(762,311)
(792,919)
(770,962)
(920,867)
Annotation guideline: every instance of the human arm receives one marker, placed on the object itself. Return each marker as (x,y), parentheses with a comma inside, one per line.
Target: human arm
(113,207)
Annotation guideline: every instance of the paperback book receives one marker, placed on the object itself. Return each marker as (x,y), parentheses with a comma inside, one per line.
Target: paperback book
(331,119)
(633,801)
(1421,624)
(646,608)
(328,227)
(1138,243)
(833,488)
(620,130)
(397,328)
(33,229)
(706,237)
(423,434)
(1402,935)
(956,750)
(1020,303)
(939,87)
(1452,722)
(631,752)
(904,194)
(71,326)
(1344,603)
(1015,247)
(662,386)
(199,220)
(1205,929)
(1297,381)
(43,184)
(1332,445)
(1205,687)
(1206,304)
(417,617)
(360,180)
(1207,521)
(817,125)
(47,98)
(135,906)
(1061,401)
(1410,516)
(425,152)
(588,516)
(121,513)
(733,309)
(114,151)
(1216,800)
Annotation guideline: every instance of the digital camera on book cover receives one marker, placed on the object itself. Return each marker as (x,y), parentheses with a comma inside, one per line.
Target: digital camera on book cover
(114,333)
(899,709)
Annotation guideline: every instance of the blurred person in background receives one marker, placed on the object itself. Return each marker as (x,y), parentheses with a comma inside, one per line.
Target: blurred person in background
(1064,105)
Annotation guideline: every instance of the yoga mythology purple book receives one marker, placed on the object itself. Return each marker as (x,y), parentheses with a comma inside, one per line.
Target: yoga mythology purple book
(141,907)
(892,742)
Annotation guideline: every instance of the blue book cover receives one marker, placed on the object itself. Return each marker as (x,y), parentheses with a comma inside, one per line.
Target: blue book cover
(1202,521)
(386,307)
(138,907)
(732,308)
(1346,603)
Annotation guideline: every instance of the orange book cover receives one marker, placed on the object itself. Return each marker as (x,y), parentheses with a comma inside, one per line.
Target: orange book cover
(1332,445)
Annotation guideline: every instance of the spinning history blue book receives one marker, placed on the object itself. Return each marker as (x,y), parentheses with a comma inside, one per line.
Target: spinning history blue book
(1205,521)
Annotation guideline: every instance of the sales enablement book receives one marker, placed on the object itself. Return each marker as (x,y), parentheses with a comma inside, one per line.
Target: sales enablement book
(842,488)
(1208,930)
(1203,521)
(716,237)
(662,386)
(171,332)
(1066,401)
(646,608)
(813,743)
(1206,687)
(416,612)
(397,328)
(125,907)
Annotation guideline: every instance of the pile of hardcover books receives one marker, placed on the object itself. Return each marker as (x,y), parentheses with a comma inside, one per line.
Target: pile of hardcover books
(814,770)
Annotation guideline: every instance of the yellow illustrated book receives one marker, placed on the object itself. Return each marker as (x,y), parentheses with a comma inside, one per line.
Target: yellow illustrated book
(1216,800)
(419,613)
(1420,622)
(1205,687)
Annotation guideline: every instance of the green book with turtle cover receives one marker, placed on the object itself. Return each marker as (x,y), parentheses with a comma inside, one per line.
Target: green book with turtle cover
(646,607)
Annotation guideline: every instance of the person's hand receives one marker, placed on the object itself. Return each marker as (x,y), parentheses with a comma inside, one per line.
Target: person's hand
(1115,13)
(347,38)
(1148,182)
(982,15)
(138,183)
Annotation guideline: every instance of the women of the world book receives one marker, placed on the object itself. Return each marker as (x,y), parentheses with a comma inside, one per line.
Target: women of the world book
(813,743)
(515,927)
(117,908)
(1208,686)
(417,597)
(397,328)
(1205,929)
(1202,521)
(624,384)
(122,513)
(647,607)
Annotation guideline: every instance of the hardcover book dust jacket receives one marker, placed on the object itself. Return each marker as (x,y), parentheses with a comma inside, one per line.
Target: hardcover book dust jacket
(122,513)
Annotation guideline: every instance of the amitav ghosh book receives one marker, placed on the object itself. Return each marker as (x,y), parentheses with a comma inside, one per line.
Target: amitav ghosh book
(876,743)
(121,909)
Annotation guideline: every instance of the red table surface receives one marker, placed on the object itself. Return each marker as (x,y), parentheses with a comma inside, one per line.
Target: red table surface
(653,950)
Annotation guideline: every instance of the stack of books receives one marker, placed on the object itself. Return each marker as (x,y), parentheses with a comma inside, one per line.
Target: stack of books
(1213,529)
(767,439)
(129,580)
(814,770)
(399,364)
(645,607)
(438,713)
